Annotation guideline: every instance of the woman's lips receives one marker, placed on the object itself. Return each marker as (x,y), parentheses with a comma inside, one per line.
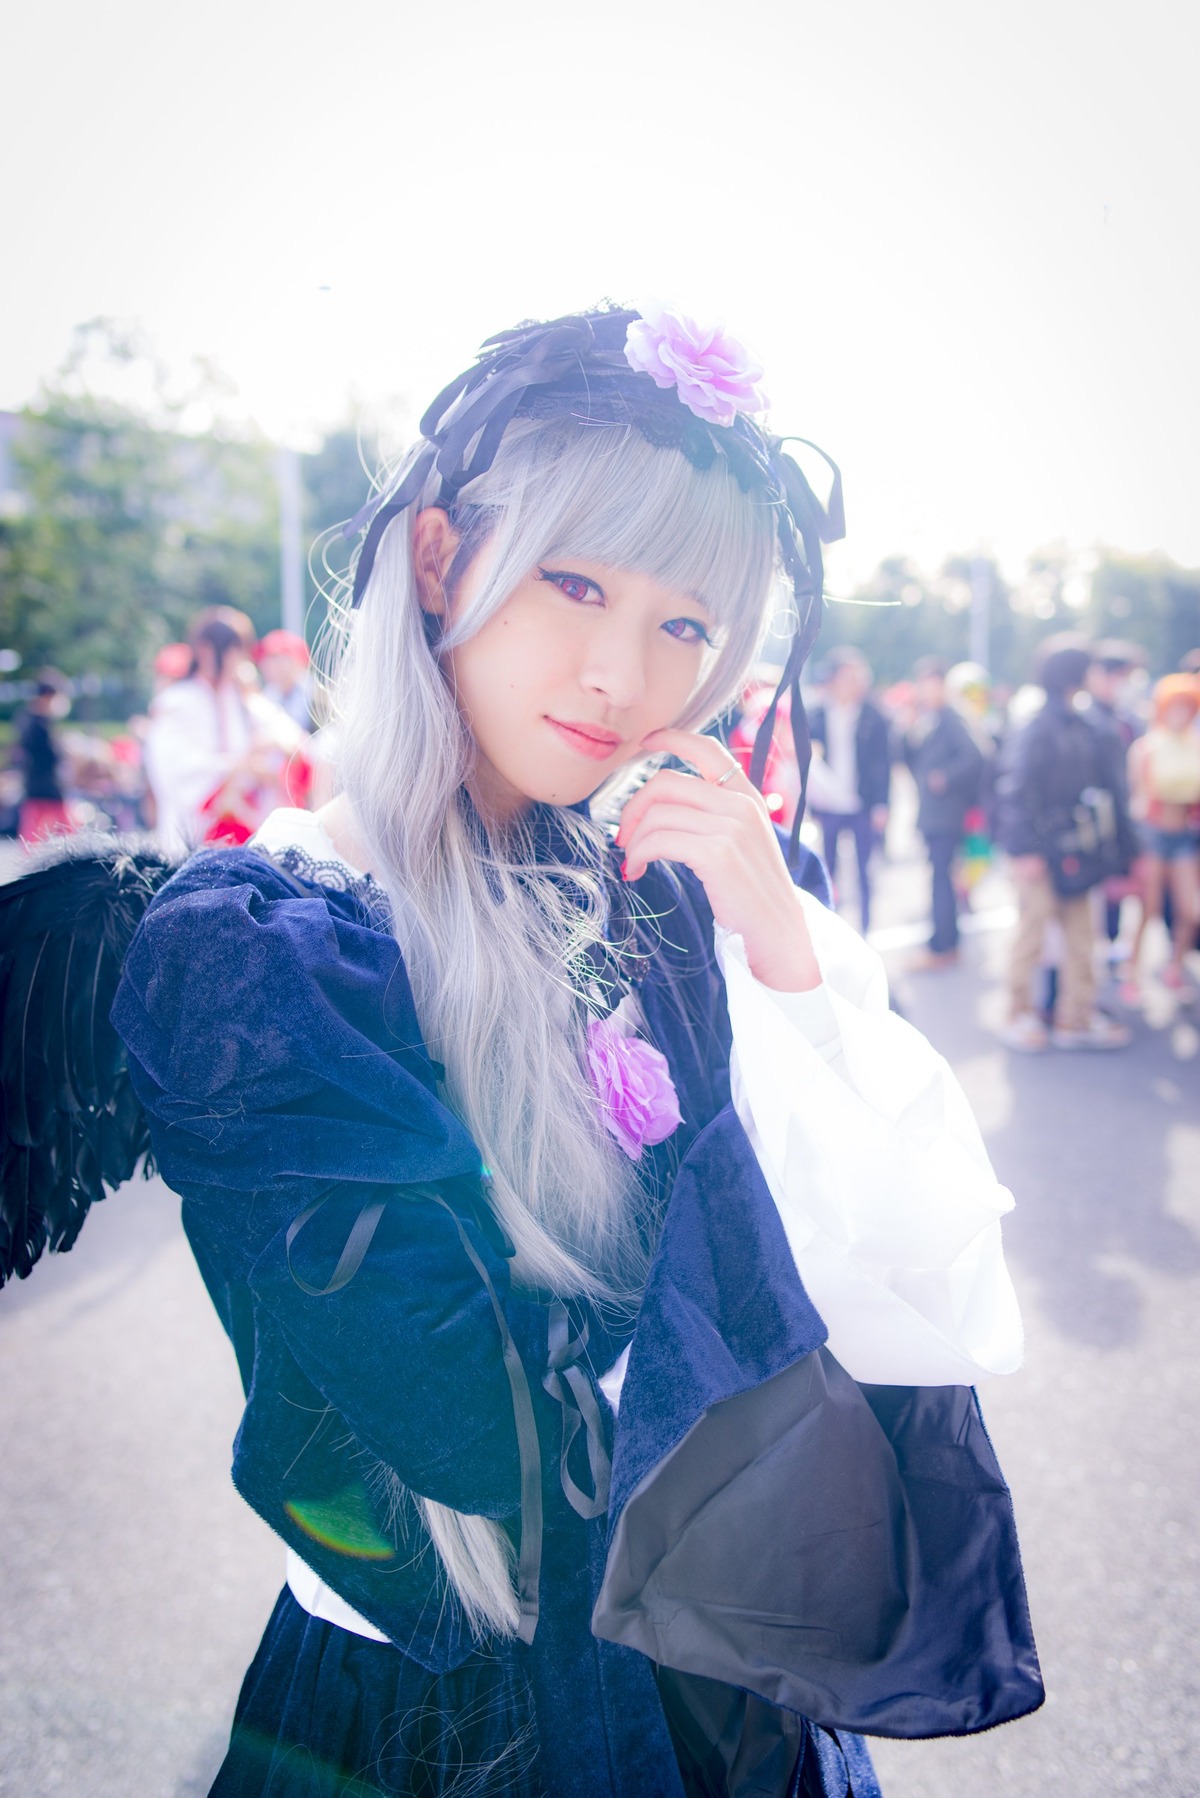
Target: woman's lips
(588,739)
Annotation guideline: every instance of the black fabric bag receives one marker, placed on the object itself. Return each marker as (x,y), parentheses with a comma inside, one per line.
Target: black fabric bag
(843,1551)
(1089,851)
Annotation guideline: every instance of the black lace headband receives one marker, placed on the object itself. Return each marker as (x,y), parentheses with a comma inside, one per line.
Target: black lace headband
(586,366)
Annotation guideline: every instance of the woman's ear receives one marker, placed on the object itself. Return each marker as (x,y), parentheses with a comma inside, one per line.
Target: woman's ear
(434,544)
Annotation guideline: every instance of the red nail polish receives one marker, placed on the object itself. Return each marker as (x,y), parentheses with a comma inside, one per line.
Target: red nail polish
(624,876)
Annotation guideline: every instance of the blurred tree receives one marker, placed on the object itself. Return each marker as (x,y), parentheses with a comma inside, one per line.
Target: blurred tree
(902,614)
(129,520)
(336,483)
(1149,600)
(907,614)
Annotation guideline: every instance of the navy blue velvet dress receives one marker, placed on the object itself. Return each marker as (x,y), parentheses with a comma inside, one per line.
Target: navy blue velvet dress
(337,1213)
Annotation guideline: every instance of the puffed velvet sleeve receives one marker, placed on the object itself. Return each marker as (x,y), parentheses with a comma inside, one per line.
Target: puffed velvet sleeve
(274,1044)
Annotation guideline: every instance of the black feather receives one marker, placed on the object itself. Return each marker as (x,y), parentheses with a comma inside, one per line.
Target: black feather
(70,1122)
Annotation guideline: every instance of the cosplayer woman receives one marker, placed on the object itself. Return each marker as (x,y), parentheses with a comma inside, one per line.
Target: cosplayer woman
(607,1267)
(1164,768)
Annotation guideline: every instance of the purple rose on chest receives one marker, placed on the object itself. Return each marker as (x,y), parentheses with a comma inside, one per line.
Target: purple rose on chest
(638,1101)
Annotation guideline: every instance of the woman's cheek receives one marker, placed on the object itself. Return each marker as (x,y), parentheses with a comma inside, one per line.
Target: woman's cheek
(673,688)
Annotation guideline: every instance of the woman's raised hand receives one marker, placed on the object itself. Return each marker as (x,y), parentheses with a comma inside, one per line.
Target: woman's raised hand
(716,824)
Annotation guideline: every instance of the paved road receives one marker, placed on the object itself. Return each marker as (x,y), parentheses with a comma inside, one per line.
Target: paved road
(1100,1434)
(136,1584)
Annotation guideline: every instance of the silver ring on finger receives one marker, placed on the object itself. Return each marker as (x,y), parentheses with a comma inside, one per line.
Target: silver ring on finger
(728,775)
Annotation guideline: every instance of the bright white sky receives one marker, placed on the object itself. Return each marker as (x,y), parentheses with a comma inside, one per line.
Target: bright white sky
(962,237)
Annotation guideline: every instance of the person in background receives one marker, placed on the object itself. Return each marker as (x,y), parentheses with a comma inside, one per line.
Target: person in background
(781,775)
(43,805)
(1112,697)
(283,662)
(969,690)
(1164,767)
(946,763)
(1054,794)
(173,662)
(1108,688)
(219,755)
(854,739)
(1188,664)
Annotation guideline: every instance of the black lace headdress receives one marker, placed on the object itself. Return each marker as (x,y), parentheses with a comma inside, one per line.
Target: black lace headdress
(576,367)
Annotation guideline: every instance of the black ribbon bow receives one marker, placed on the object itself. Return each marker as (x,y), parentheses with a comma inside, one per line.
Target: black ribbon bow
(570,1387)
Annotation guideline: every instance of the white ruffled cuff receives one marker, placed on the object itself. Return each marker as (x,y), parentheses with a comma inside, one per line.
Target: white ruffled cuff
(875,1162)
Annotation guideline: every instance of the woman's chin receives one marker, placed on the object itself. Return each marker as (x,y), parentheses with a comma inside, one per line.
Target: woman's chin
(570,786)
(508,793)
(569,793)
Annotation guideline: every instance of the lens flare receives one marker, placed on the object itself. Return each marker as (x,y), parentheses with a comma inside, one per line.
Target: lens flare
(342,1523)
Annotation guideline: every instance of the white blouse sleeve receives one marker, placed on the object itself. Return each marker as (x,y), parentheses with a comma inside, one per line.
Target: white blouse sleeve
(875,1162)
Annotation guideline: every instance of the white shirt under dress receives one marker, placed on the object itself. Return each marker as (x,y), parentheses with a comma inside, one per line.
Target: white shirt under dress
(838,780)
(872,1156)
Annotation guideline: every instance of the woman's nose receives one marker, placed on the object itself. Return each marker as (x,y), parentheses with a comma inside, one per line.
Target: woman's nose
(614,664)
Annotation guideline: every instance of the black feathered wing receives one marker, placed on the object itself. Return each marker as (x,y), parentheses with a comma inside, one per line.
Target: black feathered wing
(70,1123)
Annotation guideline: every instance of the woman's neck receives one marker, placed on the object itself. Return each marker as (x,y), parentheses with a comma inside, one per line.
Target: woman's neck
(337,819)
(496,801)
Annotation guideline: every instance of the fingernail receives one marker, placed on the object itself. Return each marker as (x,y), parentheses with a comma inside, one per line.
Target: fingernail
(624,875)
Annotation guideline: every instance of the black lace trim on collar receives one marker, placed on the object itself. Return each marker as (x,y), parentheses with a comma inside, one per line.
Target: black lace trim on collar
(327,871)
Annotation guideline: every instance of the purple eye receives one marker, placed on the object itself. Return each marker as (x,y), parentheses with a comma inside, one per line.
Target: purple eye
(572,586)
(687,630)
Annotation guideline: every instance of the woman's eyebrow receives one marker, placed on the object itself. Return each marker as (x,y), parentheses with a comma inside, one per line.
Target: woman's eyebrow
(685,596)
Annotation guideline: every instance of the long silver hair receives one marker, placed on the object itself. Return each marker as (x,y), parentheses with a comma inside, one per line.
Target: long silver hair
(494,940)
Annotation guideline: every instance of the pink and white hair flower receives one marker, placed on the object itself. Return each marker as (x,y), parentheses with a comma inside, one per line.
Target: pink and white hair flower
(716,376)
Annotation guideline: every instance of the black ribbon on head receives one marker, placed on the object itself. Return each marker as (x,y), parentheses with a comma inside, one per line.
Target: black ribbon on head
(816,524)
(575,367)
(482,402)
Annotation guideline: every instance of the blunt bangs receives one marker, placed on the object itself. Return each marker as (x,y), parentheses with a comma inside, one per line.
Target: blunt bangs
(604,493)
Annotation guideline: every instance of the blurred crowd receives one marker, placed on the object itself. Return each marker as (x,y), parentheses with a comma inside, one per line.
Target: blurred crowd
(1086,782)
(227,738)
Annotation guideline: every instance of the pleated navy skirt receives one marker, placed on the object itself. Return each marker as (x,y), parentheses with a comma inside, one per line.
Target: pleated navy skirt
(324,1713)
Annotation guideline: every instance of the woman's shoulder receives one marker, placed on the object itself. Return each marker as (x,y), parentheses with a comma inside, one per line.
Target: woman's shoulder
(290,857)
(284,898)
(298,842)
(261,1010)
(250,944)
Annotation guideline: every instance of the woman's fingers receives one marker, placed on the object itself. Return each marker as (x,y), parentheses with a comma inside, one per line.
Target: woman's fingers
(662,842)
(723,833)
(719,778)
(672,787)
(711,760)
(733,843)
(714,837)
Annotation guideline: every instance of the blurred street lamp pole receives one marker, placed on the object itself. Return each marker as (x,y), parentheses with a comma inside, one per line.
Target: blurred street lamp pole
(291,552)
(981,610)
